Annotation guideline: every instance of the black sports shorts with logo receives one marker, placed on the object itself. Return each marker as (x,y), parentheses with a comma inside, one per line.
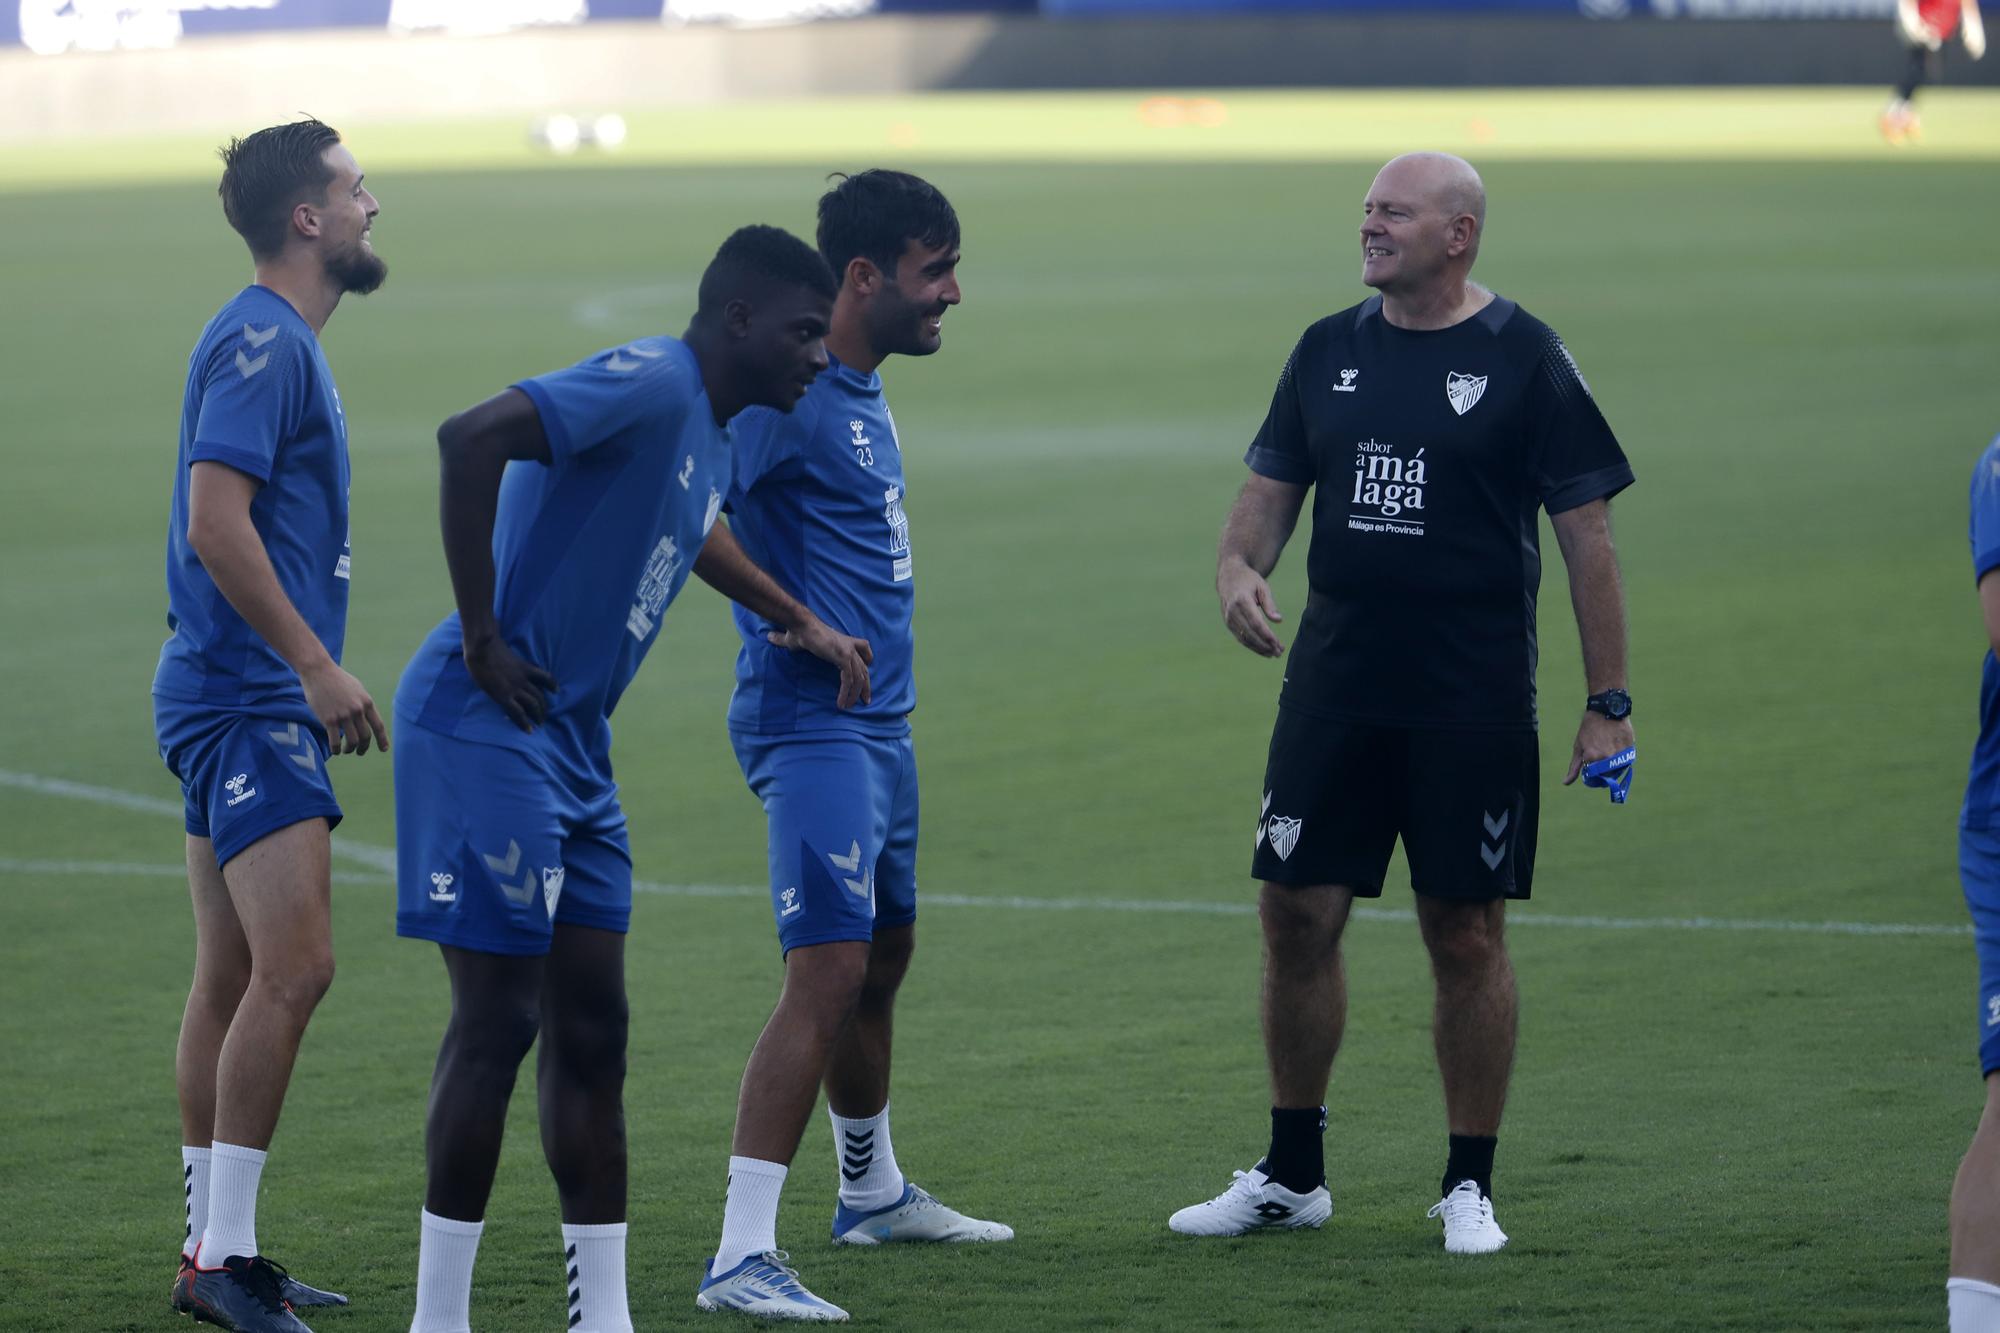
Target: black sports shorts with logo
(1338,794)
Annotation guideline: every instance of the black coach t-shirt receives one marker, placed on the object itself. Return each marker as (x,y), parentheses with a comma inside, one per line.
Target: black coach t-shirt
(1429,452)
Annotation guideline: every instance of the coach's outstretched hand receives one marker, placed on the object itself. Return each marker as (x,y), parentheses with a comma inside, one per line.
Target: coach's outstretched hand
(1598,738)
(521,688)
(850,656)
(1247,604)
(346,713)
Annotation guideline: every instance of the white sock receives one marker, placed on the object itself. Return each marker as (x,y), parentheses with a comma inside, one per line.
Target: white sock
(1975,1305)
(594,1258)
(869,1177)
(444,1274)
(750,1217)
(232,1203)
(194,1178)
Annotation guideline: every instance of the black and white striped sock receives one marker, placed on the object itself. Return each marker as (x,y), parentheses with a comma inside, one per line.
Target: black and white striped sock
(194,1185)
(869,1176)
(594,1262)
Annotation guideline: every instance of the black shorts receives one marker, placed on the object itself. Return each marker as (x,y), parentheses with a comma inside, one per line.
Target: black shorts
(1338,794)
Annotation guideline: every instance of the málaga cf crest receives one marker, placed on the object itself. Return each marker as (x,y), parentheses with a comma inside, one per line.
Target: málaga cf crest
(1463,390)
(1284,836)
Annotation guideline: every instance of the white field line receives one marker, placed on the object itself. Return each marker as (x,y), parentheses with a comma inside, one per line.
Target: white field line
(383,861)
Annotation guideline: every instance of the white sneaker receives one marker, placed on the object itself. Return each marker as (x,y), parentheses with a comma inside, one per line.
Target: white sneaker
(1254,1203)
(1469,1227)
(915,1216)
(762,1286)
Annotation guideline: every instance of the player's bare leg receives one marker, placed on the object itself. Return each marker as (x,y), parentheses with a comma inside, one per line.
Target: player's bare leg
(1473,1028)
(580,1073)
(1303,1007)
(221,975)
(878,1204)
(580,1078)
(1975,1197)
(823,985)
(857,1074)
(495,1015)
(1474,1023)
(1304,996)
(281,889)
(264,959)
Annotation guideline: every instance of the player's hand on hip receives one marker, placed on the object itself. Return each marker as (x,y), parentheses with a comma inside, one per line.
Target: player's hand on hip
(1249,609)
(345,712)
(848,655)
(521,688)
(1598,738)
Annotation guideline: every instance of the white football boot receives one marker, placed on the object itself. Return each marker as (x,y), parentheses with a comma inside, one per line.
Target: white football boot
(915,1217)
(1255,1202)
(1469,1227)
(764,1287)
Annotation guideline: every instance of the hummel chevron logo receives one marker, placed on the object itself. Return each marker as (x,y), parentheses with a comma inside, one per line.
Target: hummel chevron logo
(1263,811)
(246,367)
(1495,827)
(645,354)
(859,1153)
(524,892)
(256,339)
(850,862)
(297,748)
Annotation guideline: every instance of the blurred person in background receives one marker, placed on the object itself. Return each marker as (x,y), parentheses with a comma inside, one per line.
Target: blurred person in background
(1973,1291)
(250,700)
(1924,26)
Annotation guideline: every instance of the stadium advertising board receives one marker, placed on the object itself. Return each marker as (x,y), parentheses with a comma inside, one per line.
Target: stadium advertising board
(58,27)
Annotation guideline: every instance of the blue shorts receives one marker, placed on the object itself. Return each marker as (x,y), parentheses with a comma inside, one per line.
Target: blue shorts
(493,849)
(1979,874)
(243,777)
(841,816)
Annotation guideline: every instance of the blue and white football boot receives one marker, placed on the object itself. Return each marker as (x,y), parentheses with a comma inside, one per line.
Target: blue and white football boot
(915,1217)
(762,1286)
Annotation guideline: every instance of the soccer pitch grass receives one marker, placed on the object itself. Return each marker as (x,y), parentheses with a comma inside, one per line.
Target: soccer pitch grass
(1751,1124)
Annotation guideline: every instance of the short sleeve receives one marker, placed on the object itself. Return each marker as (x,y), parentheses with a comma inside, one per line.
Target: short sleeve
(1577,458)
(1985,530)
(602,398)
(253,395)
(1281,450)
(764,441)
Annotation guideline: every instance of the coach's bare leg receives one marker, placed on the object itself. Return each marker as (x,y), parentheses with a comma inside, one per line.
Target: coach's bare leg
(822,986)
(580,1073)
(1474,1022)
(857,1075)
(221,975)
(495,1014)
(281,889)
(1305,988)
(1975,1198)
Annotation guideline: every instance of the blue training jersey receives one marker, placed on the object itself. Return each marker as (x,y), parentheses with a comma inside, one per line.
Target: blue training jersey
(817,500)
(259,399)
(1982,790)
(588,550)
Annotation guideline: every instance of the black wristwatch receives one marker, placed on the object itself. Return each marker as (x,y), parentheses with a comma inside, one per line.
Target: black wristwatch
(1614,704)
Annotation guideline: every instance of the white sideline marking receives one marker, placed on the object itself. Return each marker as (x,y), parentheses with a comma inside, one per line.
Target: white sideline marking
(383,861)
